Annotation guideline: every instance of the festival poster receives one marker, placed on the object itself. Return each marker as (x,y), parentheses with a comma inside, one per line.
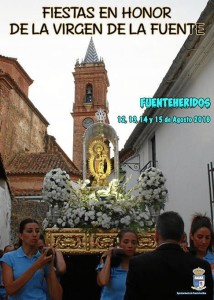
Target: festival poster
(137,41)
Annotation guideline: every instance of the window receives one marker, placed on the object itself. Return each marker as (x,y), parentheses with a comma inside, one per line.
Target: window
(153,148)
(88,93)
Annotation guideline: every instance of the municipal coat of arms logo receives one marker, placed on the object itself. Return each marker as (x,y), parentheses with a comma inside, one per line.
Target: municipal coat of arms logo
(198,279)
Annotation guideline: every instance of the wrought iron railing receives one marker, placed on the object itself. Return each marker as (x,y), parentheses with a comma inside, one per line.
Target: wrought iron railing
(134,166)
(151,163)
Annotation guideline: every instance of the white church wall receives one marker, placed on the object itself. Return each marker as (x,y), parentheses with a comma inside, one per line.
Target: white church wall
(184,150)
(5,214)
(132,172)
(134,165)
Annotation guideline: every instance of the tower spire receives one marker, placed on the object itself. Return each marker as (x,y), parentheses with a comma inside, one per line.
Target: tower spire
(91,54)
(91,87)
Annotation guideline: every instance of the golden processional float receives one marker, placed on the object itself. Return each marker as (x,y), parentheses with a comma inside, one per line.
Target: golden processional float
(93,238)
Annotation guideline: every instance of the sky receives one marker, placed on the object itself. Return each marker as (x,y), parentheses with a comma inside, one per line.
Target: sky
(136,60)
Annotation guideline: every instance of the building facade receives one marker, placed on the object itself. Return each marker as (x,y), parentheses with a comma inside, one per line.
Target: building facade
(180,141)
(91,86)
(23,128)
(27,151)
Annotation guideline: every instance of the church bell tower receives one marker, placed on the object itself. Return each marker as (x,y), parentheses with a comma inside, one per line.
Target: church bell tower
(91,86)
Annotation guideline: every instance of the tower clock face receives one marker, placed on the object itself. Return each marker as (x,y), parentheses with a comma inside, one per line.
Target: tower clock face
(87,122)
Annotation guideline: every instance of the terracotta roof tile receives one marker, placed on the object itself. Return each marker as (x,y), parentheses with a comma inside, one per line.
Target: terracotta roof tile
(27,193)
(39,163)
(14,60)
(124,154)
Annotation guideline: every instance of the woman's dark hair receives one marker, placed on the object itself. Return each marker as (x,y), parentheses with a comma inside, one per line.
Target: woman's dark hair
(41,237)
(22,225)
(198,222)
(24,222)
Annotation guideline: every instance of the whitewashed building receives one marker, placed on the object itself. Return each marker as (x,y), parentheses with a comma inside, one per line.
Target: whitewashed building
(5,208)
(182,151)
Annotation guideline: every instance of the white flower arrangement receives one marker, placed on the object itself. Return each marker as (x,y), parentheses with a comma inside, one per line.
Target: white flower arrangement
(57,187)
(98,207)
(152,188)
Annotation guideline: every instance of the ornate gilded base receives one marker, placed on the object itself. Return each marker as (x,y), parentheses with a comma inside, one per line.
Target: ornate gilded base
(82,241)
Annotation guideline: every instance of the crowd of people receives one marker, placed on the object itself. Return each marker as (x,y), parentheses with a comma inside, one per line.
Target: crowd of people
(176,269)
